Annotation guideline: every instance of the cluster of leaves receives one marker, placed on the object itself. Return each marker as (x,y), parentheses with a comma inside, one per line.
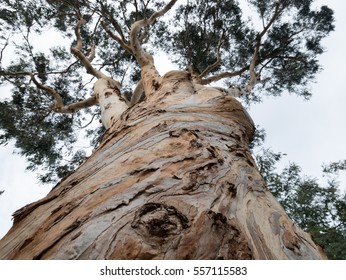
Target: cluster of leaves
(319,210)
(40,135)
(290,53)
(200,26)
(287,58)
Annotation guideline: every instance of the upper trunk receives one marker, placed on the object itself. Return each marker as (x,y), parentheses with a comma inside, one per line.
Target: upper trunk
(173,179)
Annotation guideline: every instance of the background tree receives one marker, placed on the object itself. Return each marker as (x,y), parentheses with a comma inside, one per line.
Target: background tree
(212,42)
(319,210)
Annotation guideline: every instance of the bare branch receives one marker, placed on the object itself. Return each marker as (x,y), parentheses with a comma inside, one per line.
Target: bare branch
(137,93)
(254,77)
(3,49)
(224,75)
(77,51)
(109,17)
(121,42)
(58,102)
(74,107)
(92,53)
(276,14)
(265,65)
(117,28)
(60,72)
(142,57)
(86,125)
(135,4)
(58,106)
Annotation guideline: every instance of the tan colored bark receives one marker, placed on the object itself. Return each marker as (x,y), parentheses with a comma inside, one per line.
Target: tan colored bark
(112,102)
(173,179)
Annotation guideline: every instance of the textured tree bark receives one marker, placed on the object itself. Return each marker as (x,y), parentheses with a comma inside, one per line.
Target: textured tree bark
(173,179)
(112,103)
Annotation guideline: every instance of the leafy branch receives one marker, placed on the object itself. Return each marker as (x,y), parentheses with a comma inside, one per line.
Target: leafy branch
(254,77)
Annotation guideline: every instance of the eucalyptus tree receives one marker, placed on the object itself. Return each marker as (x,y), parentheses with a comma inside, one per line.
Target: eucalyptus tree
(172,176)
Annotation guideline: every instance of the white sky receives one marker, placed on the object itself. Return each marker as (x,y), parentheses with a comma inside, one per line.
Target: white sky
(309,132)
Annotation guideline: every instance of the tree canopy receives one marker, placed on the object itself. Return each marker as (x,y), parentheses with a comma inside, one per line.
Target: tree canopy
(273,52)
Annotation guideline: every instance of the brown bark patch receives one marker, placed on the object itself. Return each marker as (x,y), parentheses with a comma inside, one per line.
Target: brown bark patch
(213,236)
(290,240)
(159,220)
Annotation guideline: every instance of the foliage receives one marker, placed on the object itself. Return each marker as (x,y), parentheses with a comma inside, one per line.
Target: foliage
(319,210)
(287,58)
(212,38)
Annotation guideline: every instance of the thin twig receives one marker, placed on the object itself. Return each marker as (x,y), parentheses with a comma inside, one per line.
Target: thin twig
(63,71)
(3,49)
(92,119)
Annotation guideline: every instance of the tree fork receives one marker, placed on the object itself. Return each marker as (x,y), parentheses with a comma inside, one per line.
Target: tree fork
(173,179)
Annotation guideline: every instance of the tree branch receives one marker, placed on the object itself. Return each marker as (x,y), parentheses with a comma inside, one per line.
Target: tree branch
(137,93)
(224,75)
(62,71)
(254,77)
(276,13)
(74,107)
(85,60)
(92,53)
(143,57)
(218,59)
(117,28)
(58,106)
(77,51)
(58,102)
(118,39)
(3,49)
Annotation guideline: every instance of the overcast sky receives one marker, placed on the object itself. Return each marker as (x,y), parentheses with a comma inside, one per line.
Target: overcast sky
(309,132)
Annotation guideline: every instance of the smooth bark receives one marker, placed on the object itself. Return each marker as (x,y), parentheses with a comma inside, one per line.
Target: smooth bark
(112,102)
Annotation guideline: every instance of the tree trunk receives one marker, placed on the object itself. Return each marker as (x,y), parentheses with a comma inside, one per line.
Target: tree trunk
(172,179)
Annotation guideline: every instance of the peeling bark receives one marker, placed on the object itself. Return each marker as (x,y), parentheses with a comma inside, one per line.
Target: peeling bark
(173,179)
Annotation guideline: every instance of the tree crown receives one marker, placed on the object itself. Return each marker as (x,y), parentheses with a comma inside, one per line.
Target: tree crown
(274,53)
